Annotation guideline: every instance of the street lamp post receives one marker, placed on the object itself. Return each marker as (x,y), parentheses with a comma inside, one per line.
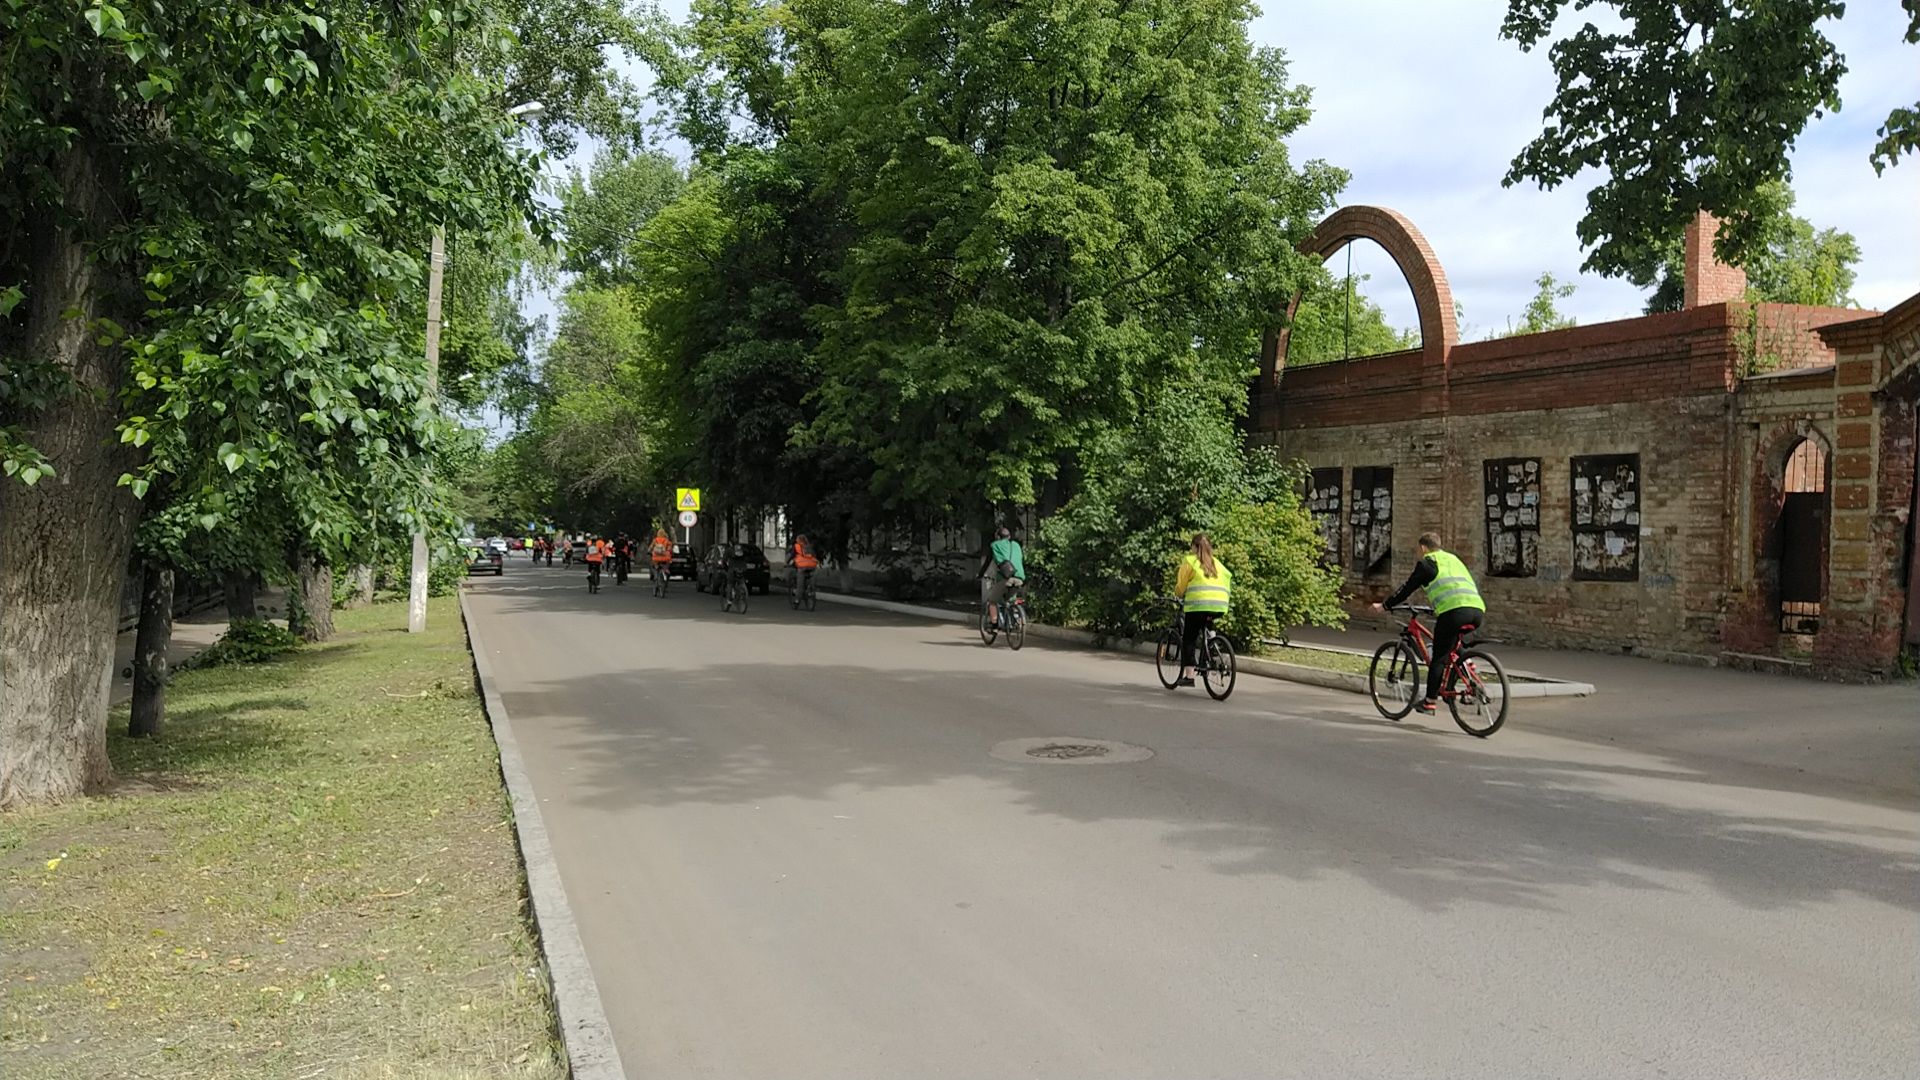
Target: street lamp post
(436,271)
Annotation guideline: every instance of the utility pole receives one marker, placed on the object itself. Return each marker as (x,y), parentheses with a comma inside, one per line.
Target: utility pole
(417,586)
(436,271)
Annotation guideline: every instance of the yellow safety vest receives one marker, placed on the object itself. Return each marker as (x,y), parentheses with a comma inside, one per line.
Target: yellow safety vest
(1452,585)
(1208,593)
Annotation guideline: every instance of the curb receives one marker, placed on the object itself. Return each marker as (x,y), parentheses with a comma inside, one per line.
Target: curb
(584,1031)
(1252,665)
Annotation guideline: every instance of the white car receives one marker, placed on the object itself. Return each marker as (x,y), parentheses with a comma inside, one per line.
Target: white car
(499,544)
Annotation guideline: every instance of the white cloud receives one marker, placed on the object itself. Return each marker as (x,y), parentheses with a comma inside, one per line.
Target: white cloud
(1426,105)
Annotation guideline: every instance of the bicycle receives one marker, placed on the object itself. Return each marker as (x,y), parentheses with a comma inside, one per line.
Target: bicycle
(593,577)
(621,567)
(659,573)
(1395,681)
(1213,656)
(734,592)
(1011,620)
(802,590)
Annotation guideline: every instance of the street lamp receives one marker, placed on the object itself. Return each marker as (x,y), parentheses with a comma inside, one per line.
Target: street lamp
(436,269)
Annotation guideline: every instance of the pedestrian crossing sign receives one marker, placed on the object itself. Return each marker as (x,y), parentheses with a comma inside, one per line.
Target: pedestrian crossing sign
(687,498)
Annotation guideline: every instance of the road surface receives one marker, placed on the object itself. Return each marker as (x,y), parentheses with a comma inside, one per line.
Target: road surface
(793,853)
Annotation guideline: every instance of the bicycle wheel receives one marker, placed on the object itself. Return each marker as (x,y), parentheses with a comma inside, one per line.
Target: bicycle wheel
(813,595)
(793,596)
(740,597)
(1218,669)
(1016,627)
(1393,680)
(988,631)
(1166,658)
(1479,705)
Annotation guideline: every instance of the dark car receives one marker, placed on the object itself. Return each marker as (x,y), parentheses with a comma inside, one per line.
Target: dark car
(483,559)
(684,566)
(751,560)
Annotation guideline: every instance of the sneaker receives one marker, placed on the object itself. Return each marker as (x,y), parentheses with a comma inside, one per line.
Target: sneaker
(1188,681)
(1426,708)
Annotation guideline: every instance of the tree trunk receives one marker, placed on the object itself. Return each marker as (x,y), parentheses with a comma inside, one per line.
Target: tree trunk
(65,541)
(311,613)
(150,645)
(242,602)
(362,586)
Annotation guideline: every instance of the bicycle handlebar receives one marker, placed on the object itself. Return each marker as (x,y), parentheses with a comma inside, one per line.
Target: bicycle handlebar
(1416,609)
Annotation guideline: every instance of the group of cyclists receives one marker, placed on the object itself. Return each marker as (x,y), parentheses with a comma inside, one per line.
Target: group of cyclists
(1203,585)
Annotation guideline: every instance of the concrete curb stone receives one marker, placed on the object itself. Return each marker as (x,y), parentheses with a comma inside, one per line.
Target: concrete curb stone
(584,1031)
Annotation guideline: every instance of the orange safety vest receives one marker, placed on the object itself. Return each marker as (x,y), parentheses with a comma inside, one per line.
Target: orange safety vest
(803,557)
(596,550)
(662,549)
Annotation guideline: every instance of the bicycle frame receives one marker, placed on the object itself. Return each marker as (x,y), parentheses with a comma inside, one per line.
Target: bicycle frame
(1420,639)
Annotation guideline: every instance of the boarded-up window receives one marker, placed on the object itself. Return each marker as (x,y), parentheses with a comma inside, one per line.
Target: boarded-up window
(1513,517)
(1372,520)
(1324,503)
(1606,517)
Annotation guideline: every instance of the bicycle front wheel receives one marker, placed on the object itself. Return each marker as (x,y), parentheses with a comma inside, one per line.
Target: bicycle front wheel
(1479,698)
(1166,659)
(1219,669)
(988,631)
(1393,680)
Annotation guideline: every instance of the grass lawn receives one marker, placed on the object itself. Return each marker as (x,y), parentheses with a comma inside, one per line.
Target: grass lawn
(311,873)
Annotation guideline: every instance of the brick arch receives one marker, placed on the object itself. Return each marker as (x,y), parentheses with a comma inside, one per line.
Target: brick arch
(1432,298)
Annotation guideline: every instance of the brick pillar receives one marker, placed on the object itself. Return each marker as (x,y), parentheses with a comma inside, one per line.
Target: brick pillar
(1708,280)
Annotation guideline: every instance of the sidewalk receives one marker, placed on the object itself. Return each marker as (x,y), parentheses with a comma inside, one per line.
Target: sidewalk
(190,635)
(1862,736)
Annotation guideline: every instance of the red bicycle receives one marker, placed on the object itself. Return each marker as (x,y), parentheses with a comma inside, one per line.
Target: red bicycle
(1474,685)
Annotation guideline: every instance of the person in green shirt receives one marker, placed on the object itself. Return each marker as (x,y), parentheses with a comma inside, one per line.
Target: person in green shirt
(1005,567)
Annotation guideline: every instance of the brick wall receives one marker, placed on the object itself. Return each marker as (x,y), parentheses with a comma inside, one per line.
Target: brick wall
(1707,279)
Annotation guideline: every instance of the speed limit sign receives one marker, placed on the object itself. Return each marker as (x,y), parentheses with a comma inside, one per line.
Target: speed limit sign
(687,518)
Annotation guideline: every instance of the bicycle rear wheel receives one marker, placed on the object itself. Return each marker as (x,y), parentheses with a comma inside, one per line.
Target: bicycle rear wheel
(813,595)
(1016,627)
(1393,680)
(1218,668)
(1479,700)
(1166,659)
(740,597)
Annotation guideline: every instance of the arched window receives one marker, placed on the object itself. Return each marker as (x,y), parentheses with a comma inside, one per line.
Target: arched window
(1803,538)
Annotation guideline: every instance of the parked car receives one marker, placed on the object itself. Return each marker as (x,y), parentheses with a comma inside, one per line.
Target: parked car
(684,565)
(752,560)
(483,559)
(515,543)
(498,544)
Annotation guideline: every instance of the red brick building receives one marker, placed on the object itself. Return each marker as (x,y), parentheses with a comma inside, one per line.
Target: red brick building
(1731,481)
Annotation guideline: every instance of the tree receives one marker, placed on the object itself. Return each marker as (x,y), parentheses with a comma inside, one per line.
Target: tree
(1336,321)
(1686,107)
(206,254)
(1543,314)
(1794,262)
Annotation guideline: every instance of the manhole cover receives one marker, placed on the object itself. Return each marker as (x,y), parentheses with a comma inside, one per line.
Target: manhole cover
(1070,750)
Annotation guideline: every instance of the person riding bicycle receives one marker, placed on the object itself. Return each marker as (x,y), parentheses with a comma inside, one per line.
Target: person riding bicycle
(596,555)
(660,552)
(1009,571)
(622,557)
(1205,586)
(801,562)
(1457,607)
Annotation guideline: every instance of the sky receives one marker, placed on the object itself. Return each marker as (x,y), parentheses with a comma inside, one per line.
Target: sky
(1425,105)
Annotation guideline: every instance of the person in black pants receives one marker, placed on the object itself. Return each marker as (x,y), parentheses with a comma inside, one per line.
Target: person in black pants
(1456,604)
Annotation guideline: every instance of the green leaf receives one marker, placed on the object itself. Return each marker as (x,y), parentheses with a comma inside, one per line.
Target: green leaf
(208,521)
(139,489)
(233,459)
(30,475)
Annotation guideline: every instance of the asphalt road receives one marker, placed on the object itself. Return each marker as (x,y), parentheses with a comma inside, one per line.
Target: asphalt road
(793,854)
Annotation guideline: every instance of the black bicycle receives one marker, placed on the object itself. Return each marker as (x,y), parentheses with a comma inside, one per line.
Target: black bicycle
(802,591)
(1213,657)
(620,568)
(733,595)
(659,580)
(1009,619)
(593,577)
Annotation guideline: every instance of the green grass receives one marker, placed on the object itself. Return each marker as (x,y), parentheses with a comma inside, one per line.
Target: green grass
(1325,659)
(312,872)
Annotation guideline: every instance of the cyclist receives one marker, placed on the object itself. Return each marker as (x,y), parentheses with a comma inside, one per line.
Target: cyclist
(1009,566)
(596,555)
(660,552)
(622,558)
(1457,607)
(1205,585)
(802,562)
